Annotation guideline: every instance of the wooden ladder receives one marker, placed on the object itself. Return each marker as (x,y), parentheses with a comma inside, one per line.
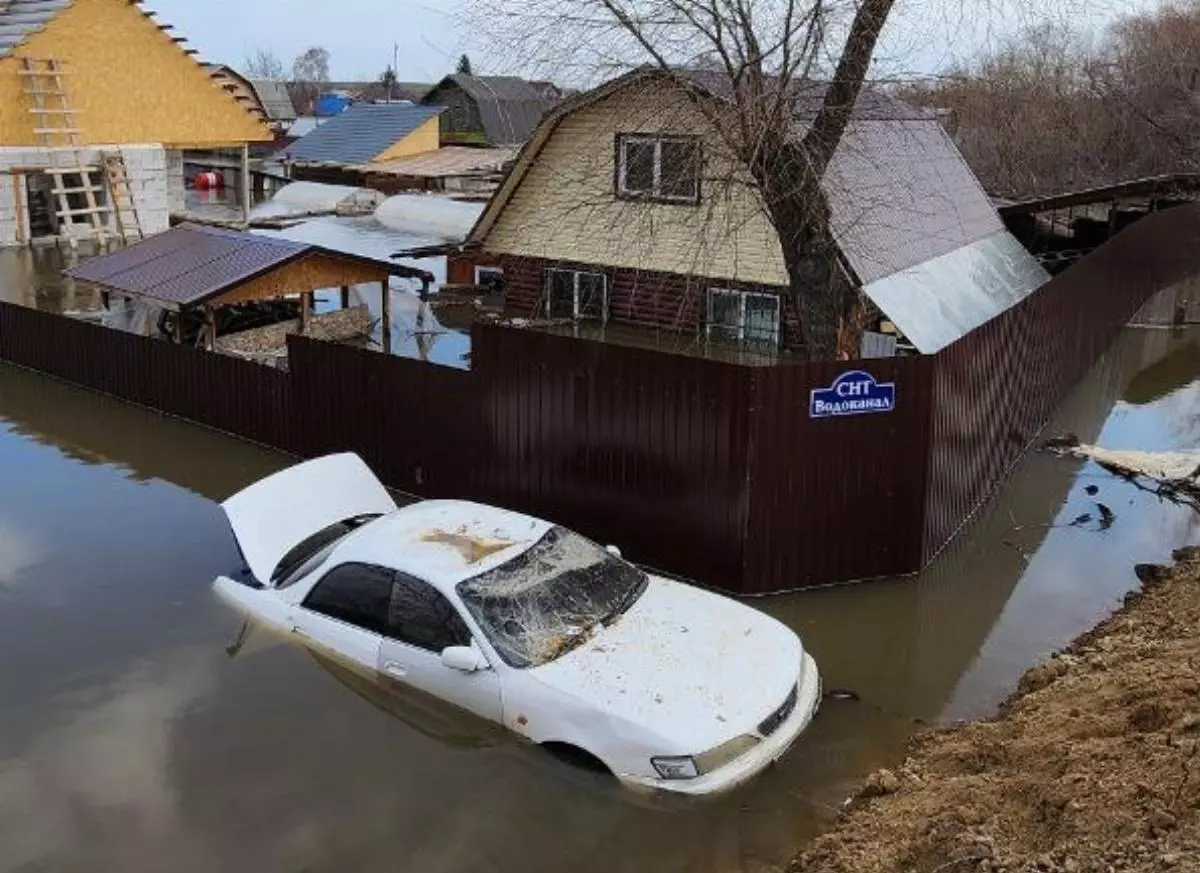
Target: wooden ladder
(120,198)
(54,124)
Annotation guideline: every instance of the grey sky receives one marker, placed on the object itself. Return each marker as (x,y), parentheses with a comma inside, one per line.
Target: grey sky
(923,37)
(359,34)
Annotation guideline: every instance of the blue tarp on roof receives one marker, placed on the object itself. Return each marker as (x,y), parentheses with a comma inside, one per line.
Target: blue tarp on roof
(359,134)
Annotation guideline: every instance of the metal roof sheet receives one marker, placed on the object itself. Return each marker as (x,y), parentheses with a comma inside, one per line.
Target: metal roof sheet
(189,264)
(509,107)
(900,193)
(939,301)
(274,97)
(20,19)
(448,161)
(361,133)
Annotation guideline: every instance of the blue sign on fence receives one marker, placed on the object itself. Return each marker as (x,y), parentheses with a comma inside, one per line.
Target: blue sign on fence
(853,393)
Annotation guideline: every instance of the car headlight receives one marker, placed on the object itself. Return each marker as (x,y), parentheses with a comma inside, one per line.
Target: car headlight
(714,759)
(689,767)
(676,767)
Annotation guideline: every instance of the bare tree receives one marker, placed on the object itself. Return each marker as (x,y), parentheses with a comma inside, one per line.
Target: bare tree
(265,64)
(312,66)
(1050,110)
(310,72)
(759,55)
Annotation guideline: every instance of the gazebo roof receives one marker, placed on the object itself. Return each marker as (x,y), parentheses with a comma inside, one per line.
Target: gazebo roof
(191,265)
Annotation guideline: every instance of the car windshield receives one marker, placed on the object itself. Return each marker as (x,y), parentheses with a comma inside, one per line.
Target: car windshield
(551,599)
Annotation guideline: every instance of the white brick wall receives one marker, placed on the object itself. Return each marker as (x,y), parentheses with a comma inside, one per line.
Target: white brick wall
(147,168)
(8,210)
(176,190)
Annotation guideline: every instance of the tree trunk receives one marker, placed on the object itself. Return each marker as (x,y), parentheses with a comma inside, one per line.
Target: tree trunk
(796,203)
(790,177)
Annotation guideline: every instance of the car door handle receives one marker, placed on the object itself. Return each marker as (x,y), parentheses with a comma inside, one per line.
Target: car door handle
(299,631)
(393,668)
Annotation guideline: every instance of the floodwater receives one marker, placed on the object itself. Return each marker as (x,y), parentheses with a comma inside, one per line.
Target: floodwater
(140,733)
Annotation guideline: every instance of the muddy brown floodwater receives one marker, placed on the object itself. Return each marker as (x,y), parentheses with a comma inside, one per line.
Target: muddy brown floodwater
(137,736)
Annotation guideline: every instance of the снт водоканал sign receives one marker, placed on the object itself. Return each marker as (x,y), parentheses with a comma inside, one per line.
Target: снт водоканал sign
(853,393)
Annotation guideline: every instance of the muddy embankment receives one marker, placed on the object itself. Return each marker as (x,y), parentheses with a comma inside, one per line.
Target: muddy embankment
(1092,765)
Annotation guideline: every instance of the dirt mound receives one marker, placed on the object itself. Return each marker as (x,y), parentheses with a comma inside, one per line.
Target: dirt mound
(1093,765)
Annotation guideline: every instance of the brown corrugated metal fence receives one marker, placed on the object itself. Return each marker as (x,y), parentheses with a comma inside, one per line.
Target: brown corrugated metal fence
(995,388)
(709,470)
(235,396)
(835,499)
(637,448)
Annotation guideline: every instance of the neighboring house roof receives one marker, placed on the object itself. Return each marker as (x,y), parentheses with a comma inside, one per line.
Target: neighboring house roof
(303,126)
(510,108)
(449,161)
(376,90)
(20,19)
(275,100)
(900,196)
(31,24)
(234,82)
(359,134)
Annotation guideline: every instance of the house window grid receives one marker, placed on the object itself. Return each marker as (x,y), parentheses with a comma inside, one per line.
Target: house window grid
(656,194)
(577,307)
(741,332)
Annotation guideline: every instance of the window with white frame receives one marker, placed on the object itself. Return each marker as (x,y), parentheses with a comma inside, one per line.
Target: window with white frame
(663,168)
(577,295)
(491,278)
(744,316)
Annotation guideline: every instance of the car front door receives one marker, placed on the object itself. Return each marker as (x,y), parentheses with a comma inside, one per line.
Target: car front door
(346,613)
(421,624)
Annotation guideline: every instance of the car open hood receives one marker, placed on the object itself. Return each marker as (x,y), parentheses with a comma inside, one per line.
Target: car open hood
(276,514)
(686,664)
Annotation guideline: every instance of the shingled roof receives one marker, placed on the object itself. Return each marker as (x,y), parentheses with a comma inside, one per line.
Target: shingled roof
(362,132)
(20,19)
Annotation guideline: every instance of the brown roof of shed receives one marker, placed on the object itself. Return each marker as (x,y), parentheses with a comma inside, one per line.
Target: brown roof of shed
(190,264)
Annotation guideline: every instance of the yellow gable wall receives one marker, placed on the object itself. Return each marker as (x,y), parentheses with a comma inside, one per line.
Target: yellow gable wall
(565,208)
(426,138)
(130,82)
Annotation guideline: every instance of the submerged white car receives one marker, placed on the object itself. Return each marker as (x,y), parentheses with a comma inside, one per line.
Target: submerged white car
(523,623)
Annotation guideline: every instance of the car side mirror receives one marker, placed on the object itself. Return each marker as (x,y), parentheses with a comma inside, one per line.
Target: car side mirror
(613,550)
(465,659)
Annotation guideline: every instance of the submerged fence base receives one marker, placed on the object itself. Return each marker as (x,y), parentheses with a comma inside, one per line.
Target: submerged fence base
(708,470)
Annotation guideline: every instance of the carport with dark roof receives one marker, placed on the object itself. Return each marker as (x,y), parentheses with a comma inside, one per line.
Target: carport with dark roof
(192,267)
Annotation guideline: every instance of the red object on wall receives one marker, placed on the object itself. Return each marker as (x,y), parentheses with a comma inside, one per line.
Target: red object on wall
(209,181)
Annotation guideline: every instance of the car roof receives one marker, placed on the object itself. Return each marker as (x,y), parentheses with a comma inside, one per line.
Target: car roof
(443,541)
